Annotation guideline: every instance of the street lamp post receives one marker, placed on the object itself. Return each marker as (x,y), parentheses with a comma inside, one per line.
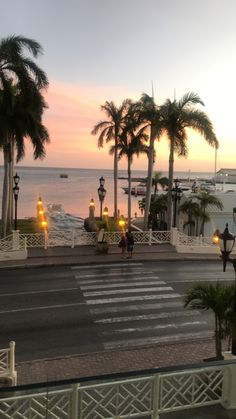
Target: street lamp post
(226,243)
(101,194)
(16,189)
(176,196)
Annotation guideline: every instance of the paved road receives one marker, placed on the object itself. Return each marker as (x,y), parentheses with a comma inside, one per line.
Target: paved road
(69,310)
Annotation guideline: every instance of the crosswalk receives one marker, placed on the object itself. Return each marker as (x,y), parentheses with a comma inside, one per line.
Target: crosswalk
(132,305)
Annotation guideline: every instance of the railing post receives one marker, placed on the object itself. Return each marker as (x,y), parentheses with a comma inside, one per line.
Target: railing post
(150,237)
(174,235)
(229,387)
(45,240)
(156,396)
(73,239)
(75,402)
(12,362)
(200,240)
(15,240)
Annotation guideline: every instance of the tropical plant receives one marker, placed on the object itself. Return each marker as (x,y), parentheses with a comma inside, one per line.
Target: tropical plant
(158,179)
(131,142)
(192,210)
(207,199)
(110,130)
(20,78)
(177,116)
(216,297)
(150,118)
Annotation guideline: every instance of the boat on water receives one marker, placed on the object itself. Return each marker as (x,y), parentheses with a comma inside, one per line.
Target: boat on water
(136,190)
(64,175)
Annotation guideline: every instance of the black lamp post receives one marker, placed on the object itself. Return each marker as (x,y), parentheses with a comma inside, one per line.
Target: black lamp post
(226,243)
(177,193)
(16,189)
(101,193)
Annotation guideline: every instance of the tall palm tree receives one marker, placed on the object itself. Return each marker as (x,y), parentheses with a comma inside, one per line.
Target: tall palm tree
(206,199)
(110,130)
(22,120)
(131,143)
(216,297)
(177,117)
(150,117)
(16,69)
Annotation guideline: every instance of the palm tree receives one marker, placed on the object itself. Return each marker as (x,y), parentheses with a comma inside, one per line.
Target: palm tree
(191,209)
(110,130)
(158,179)
(216,297)
(131,142)
(177,117)
(18,72)
(22,120)
(150,117)
(205,199)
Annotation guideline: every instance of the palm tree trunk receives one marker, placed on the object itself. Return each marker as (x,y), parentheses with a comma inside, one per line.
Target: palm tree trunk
(5,193)
(149,179)
(115,178)
(11,169)
(170,184)
(218,338)
(129,192)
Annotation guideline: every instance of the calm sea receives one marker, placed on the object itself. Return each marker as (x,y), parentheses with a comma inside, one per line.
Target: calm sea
(75,192)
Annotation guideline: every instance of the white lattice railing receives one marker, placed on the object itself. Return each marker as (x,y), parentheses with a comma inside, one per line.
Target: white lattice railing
(7,363)
(184,240)
(132,397)
(81,238)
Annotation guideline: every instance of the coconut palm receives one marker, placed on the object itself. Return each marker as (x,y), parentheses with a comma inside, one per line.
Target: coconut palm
(207,199)
(110,130)
(192,210)
(131,143)
(19,72)
(150,117)
(22,120)
(177,117)
(216,297)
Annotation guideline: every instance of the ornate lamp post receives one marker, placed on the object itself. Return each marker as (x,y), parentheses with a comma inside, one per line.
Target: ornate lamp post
(16,190)
(226,244)
(177,194)
(101,194)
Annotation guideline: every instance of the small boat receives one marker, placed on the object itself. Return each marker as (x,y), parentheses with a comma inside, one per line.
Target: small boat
(64,175)
(136,190)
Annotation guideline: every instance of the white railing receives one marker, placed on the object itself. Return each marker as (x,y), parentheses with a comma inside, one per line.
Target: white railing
(7,363)
(132,397)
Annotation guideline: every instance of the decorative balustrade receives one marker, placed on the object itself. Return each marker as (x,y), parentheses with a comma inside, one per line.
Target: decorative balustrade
(7,363)
(131,397)
(6,244)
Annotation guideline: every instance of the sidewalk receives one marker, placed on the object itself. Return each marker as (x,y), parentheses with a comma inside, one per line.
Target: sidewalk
(82,255)
(122,360)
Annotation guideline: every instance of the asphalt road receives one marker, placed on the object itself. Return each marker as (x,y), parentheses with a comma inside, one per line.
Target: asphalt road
(59,311)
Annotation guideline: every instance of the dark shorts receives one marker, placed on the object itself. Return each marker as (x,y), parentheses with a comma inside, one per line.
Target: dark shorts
(130,248)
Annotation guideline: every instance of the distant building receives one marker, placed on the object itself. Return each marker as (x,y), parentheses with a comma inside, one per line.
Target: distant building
(226,176)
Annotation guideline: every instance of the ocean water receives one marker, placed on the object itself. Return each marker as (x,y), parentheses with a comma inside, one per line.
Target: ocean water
(74,193)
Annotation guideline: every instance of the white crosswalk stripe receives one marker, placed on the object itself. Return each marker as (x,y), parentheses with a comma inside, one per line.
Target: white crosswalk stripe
(136,297)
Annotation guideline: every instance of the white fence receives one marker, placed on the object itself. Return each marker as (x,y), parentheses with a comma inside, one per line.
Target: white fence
(132,397)
(80,238)
(183,243)
(7,364)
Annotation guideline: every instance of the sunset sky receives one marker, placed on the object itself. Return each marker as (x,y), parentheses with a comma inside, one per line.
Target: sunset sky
(98,50)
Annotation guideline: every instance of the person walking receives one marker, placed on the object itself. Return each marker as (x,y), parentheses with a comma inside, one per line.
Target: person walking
(130,244)
(122,244)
